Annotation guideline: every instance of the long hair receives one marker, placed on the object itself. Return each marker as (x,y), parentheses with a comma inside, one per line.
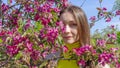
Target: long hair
(82,23)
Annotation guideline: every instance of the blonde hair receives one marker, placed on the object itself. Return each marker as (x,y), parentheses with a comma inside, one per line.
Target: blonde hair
(82,23)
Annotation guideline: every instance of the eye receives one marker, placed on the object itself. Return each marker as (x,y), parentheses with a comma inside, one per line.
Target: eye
(73,25)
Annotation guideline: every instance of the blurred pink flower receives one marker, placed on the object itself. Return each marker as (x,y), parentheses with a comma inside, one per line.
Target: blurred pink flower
(81,62)
(35,55)
(12,50)
(114,49)
(93,18)
(65,49)
(44,54)
(105,58)
(101,42)
(104,9)
(82,50)
(112,35)
(108,19)
(117,12)
(112,26)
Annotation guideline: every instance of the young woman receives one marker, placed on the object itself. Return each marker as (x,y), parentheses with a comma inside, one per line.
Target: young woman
(76,33)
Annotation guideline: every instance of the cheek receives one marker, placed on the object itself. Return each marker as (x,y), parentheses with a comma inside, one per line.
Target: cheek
(75,34)
(74,31)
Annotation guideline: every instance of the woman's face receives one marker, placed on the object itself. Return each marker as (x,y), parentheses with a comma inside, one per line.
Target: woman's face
(70,33)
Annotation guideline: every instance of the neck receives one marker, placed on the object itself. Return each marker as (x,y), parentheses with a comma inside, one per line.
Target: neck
(73,45)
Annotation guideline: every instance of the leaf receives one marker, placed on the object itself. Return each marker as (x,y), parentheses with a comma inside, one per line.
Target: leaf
(18,56)
(99,50)
(43,64)
(1,40)
(93,42)
(38,26)
(118,60)
(98,8)
(21,24)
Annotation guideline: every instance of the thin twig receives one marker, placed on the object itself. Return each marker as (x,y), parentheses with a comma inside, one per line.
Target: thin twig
(83,3)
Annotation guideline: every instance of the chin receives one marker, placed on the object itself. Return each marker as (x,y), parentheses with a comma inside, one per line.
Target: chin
(69,42)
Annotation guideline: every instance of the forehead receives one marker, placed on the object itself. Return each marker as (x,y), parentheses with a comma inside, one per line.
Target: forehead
(66,17)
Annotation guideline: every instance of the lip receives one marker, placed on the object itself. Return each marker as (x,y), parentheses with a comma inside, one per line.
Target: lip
(67,37)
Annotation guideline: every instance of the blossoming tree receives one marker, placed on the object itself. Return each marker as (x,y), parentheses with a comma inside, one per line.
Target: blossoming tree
(29,31)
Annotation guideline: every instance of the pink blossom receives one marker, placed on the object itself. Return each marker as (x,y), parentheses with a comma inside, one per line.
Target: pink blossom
(114,49)
(112,26)
(28,24)
(41,45)
(52,34)
(104,8)
(28,45)
(93,18)
(44,54)
(81,62)
(108,19)
(64,3)
(10,1)
(117,12)
(0,25)
(112,35)
(35,55)
(37,17)
(117,65)
(12,50)
(101,14)
(16,40)
(82,50)
(4,7)
(65,49)
(105,58)
(101,42)
(42,34)
(57,10)
(62,27)
(45,21)
(28,9)
(109,35)
(2,33)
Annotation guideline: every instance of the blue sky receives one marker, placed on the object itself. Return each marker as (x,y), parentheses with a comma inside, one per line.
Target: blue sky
(90,9)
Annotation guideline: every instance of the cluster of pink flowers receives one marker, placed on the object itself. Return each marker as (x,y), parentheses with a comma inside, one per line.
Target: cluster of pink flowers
(105,58)
(117,12)
(101,42)
(49,33)
(12,50)
(112,35)
(21,33)
(82,50)
(93,18)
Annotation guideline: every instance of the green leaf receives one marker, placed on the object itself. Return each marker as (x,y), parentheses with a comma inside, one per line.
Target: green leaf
(93,42)
(21,24)
(1,40)
(38,26)
(119,60)
(99,50)
(43,64)
(18,56)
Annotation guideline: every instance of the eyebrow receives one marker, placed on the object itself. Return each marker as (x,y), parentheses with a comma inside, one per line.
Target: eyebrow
(69,21)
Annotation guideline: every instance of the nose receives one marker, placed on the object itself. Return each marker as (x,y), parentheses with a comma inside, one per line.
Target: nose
(67,28)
